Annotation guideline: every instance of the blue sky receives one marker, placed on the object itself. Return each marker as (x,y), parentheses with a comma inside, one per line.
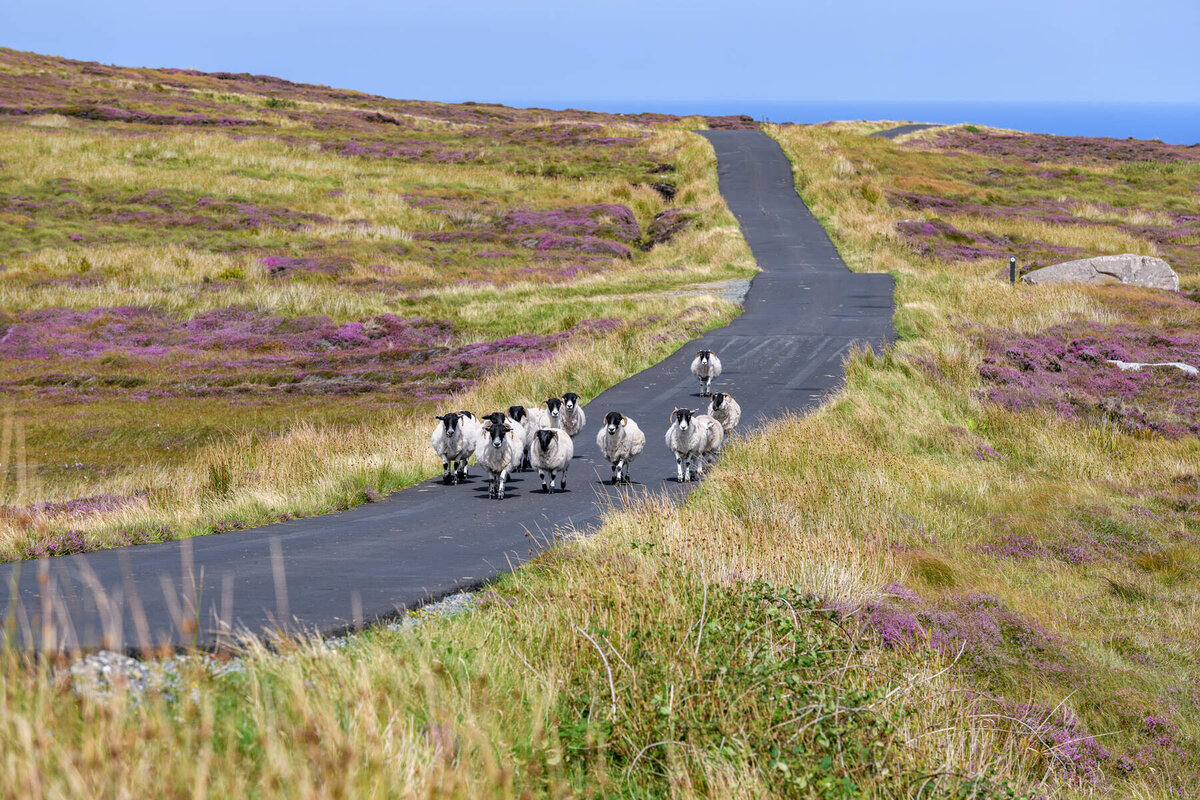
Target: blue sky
(576,52)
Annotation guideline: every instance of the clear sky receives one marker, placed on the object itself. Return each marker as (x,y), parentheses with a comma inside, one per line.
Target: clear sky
(576,52)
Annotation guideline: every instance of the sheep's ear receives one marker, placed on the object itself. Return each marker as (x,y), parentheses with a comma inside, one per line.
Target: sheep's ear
(439,418)
(695,411)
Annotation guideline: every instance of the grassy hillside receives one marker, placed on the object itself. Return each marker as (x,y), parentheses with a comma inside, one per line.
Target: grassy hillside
(228,299)
(971,574)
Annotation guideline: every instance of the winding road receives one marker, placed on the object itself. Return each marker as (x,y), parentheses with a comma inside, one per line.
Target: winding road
(804,311)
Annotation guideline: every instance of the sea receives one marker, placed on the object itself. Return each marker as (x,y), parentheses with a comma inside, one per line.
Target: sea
(1174,123)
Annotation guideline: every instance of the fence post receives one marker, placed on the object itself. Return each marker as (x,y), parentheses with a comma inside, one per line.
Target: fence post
(1012,270)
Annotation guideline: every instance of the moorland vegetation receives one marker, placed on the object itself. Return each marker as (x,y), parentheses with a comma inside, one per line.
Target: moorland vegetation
(970,574)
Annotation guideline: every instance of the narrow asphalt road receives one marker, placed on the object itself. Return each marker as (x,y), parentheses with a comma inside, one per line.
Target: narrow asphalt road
(784,353)
(900,130)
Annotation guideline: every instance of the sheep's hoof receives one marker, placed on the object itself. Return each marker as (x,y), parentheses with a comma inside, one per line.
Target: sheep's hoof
(562,485)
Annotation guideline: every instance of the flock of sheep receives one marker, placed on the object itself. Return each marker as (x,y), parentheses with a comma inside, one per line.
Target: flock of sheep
(541,438)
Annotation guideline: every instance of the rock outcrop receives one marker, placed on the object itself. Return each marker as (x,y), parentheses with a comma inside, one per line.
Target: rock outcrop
(1148,271)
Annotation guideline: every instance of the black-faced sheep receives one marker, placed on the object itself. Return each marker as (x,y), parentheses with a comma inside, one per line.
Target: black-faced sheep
(705,367)
(551,453)
(621,441)
(454,440)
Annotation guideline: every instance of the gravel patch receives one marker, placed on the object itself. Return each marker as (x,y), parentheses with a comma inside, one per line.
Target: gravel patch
(734,290)
(99,676)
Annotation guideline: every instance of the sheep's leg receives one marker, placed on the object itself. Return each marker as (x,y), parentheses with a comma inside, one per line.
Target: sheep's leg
(616,472)
(562,479)
(492,486)
(500,487)
(542,475)
(445,472)
(679,468)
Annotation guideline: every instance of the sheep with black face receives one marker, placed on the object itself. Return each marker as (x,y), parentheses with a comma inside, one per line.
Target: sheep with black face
(551,453)
(725,410)
(621,441)
(705,367)
(498,453)
(454,440)
(694,439)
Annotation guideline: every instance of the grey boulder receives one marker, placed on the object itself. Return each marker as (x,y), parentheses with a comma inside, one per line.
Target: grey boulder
(1148,271)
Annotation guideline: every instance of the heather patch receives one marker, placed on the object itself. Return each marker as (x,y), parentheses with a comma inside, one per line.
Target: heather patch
(1034,148)
(977,631)
(939,239)
(606,220)
(1060,738)
(1066,370)
(110,114)
(144,355)
(1097,536)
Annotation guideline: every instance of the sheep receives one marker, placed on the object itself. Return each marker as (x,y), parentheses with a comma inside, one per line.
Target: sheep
(706,366)
(725,410)
(621,441)
(551,453)
(498,453)
(566,413)
(694,439)
(455,439)
(714,439)
(685,440)
(573,418)
(530,420)
(517,433)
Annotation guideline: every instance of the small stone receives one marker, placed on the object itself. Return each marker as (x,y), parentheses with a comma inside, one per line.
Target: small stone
(1148,271)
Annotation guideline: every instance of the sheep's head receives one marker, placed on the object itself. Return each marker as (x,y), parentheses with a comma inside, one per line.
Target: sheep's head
(718,400)
(705,355)
(683,417)
(449,423)
(570,399)
(614,421)
(497,432)
(545,436)
(518,413)
(554,406)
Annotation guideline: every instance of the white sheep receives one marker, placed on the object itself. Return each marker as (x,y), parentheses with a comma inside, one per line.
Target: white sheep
(551,453)
(621,441)
(694,439)
(498,453)
(725,410)
(705,367)
(454,440)
(530,421)
(573,418)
